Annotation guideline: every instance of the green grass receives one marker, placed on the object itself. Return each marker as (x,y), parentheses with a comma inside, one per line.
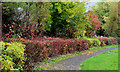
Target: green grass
(100,48)
(63,57)
(104,61)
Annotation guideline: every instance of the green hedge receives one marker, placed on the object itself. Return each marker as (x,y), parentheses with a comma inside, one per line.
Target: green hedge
(93,42)
(12,57)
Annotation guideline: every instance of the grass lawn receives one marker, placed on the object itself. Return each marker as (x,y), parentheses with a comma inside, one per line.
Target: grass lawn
(63,57)
(104,61)
(100,48)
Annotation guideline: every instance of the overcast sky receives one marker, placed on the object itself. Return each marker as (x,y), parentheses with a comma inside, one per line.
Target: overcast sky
(91,3)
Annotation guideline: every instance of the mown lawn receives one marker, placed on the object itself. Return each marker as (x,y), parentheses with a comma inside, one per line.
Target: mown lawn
(104,61)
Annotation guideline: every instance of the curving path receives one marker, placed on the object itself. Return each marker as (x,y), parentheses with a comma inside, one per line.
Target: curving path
(74,62)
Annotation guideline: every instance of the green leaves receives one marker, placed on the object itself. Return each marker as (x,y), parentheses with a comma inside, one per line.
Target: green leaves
(108,11)
(11,52)
(68,16)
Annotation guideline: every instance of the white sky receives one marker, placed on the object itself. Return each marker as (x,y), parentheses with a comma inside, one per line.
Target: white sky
(91,3)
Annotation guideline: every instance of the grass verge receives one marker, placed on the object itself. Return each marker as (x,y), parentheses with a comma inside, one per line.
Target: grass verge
(45,64)
(100,48)
(104,61)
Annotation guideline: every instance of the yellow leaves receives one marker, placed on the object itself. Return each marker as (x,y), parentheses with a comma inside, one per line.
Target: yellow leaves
(105,18)
(65,2)
(68,2)
(68,20)
(71,16)
(37,30)
(7,64)
(14,69)
(2,44)
(84,31)
(14,50)
(56,3)
(105,62)
(39,66)
(88,53)
(20,57)
(83,53)
(60,10)
(19,37)
(4,7)
(51,5)
(8,44)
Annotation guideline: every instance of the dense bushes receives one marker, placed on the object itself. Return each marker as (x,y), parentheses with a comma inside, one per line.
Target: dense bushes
(41,49)
(118,40)
(12,57)
(107,41)
(93,42)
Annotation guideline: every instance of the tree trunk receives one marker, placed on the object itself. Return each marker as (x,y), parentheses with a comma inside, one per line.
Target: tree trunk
(53,30)
(0,22)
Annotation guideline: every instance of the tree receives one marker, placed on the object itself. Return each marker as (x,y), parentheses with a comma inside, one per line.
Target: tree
(118,30)
(102,9)
(94,24)
(7,16)
(26,19)
(0,22)
(108,14)
(111,24)
(67,18)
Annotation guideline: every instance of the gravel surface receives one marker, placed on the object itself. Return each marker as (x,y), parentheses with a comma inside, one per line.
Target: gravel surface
(74,62)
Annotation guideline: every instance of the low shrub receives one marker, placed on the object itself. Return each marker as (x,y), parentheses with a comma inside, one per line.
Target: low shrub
(118,39)
(114,40)
(107,41)
(43,49)
(39,50)
(12,57)
(93,42)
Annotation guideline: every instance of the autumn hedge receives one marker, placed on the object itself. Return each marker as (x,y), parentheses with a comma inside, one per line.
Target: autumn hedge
(41,49)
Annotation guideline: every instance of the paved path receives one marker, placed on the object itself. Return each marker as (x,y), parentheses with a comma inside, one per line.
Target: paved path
(74,62)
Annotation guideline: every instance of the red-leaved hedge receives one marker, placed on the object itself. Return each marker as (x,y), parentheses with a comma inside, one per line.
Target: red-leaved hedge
(118,40)
(105,40)
(41,49)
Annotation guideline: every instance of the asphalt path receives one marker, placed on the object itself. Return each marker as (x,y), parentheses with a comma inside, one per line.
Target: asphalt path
(74,62)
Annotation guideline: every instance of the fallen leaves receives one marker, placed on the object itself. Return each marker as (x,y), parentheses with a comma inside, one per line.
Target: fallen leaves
(105,62)
(88,53)
(40,66)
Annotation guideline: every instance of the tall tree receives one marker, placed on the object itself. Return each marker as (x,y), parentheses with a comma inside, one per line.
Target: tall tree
(108,14)
(94,23)
(25,19)
(112,20)
(67,18)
